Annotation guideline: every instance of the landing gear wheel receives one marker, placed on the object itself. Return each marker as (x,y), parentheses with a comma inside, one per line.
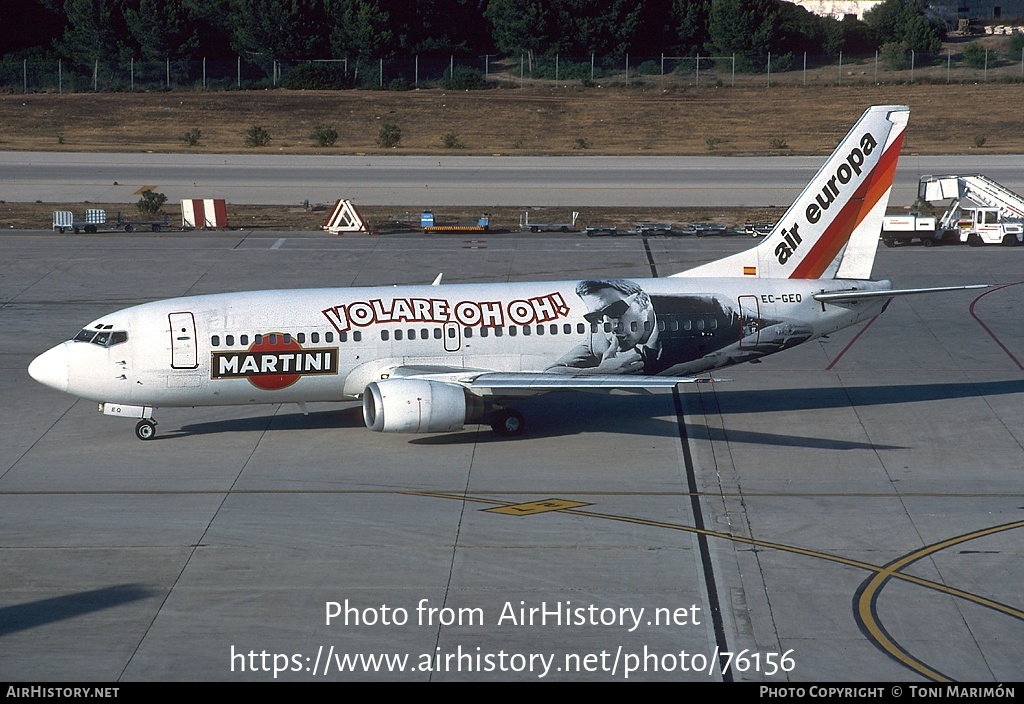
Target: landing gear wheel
(507,422)
(145,429)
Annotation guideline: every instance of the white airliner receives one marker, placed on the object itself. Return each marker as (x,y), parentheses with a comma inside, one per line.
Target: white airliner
(434,358)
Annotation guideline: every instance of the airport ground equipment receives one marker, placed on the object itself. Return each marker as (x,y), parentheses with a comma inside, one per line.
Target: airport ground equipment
(429,224)
(65,220)
(525,224)
(980,210)
(344,218)
(904,229)
(132,225)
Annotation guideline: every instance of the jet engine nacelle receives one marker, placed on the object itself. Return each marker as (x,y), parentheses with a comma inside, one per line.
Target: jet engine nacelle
(414,406)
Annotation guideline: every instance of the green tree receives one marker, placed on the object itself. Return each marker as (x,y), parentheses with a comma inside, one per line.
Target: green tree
(265,30)
(903,21)
(519,26)
(604,28)
(741,26)
(163,29)
(360,30)
(90,34)
(690,18)
(976,56)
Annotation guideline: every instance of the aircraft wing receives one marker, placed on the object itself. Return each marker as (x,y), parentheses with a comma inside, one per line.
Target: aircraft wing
(507,382)
(848,296)
(490,383)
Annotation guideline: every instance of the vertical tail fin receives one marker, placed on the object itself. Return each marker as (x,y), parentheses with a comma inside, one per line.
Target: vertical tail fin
(832,229)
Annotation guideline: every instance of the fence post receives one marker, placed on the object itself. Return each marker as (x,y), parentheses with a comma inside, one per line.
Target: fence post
(204,73)
(840,68)
(661,83)
(592,66)
(627,70)
(805,70)
(168,70)
(24,75)
(769,69)
(556,69)
(913,56)
(734,70)
(382,72)
(416,72)
(520,71)
(986,66)
(95,74)
(698,70)
(60,77)
(949,58)
(132,73)
(876,67)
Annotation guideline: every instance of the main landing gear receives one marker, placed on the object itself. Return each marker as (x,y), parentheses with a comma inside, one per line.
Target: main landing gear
(145,429)
(507,422)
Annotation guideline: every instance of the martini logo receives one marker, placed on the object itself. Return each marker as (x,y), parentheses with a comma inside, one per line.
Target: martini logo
(273,364)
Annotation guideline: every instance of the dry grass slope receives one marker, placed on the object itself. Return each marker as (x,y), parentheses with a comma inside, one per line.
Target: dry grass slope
(509,121)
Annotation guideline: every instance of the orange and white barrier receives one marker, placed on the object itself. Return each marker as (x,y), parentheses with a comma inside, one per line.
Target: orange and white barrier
(209,213)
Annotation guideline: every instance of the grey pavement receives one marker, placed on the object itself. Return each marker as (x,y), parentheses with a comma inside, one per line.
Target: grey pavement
(486,181)
(846,511)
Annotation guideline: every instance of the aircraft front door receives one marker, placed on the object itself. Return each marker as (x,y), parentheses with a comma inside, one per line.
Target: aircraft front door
(750,321)
(184,354)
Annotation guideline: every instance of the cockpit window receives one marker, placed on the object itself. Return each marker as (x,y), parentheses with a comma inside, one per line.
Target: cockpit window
(103,338)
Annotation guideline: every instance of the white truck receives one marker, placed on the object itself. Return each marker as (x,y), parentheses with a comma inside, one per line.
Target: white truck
(980,210)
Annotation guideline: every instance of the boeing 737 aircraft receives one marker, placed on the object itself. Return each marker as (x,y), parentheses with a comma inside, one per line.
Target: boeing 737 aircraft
(434,358)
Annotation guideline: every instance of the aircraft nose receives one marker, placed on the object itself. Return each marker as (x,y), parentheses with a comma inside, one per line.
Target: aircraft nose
(51,368)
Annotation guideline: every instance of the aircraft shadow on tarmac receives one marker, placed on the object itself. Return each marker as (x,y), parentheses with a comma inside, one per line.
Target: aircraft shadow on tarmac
(567,414)
(22,617)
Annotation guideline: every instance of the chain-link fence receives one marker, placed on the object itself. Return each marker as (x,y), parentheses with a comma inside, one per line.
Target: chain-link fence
(887,67)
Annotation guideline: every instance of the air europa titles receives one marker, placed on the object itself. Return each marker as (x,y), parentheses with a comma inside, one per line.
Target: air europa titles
(829,194)
(537,309)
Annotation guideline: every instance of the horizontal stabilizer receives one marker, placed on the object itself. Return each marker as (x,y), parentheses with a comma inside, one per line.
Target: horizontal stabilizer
(841,296)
